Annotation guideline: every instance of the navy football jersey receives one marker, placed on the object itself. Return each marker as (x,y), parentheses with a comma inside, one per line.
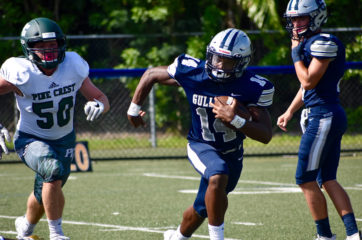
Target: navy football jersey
(327,90)
(250,89)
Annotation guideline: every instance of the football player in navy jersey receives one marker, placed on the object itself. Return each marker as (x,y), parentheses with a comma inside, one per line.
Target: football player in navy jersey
(214,149)
(319,61)
(45,83)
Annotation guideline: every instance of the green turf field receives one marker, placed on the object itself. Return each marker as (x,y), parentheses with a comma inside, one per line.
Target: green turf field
(136,200)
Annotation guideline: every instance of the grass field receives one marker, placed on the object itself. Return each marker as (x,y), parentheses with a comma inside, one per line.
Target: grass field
(125,146)
(136,200)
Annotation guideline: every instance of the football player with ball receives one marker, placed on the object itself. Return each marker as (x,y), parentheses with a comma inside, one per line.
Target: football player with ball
(227,103)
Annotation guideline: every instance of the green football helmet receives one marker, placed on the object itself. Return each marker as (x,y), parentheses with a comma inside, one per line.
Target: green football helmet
(42,30)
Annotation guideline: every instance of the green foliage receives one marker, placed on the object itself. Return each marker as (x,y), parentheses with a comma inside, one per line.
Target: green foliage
(146,18)
(354,53)
(263,13)
(211,22)
(344,13)
(141,14)
(354,117)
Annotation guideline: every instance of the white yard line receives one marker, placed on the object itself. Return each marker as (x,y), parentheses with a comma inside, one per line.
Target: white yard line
(111,227)
(247,223)
(248,191)
(198,178)
(283,187)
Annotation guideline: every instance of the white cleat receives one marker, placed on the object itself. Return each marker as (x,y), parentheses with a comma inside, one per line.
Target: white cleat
(59,237)
(32,237)
(168,234)
(21,229)
(356,236)
(326,238)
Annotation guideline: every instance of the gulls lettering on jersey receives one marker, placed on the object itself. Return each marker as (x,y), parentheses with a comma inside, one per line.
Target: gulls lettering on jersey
(56,92)
(202,101)
(53,85)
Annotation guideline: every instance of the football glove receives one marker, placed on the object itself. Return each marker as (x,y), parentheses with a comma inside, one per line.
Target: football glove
(93,109)
(4,135)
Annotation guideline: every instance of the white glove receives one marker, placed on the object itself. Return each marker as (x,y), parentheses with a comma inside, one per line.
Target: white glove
(93,109)
(304,119)
(4,135)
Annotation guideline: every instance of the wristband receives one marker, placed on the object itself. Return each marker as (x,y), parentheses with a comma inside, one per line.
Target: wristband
(238,122)
(134,110)
(296,56)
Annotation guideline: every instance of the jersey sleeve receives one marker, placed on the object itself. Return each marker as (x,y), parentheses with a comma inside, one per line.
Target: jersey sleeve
(323,46)
(266,92)
(13,73)
(79,65)
(266,97)
(183,67)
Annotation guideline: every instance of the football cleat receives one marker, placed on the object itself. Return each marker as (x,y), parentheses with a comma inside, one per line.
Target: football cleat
(22,230)
(168,234)
(356,236)
(326,238)
(59,237)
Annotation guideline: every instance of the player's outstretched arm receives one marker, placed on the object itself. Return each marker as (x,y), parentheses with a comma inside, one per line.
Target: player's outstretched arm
(149,78)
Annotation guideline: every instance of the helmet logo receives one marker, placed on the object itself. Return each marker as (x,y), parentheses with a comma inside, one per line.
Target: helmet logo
(48,35)
(224,51)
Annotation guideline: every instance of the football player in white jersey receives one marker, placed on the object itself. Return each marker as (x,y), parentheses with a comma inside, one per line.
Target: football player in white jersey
(45,83)
(319,60)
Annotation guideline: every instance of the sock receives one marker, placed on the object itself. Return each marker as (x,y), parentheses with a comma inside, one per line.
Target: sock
(350,224)
(29,227)
(178,235)
(55,227)
(323,228)
(216,232)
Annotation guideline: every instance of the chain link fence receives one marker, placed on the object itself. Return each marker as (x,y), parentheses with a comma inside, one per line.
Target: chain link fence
(112,137)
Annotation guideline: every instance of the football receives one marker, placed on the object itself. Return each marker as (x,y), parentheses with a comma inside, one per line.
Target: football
(240,110)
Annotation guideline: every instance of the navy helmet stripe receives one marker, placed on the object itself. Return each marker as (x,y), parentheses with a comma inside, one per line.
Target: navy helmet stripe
(229,40)
(231,44)
(225,38)
(295,5)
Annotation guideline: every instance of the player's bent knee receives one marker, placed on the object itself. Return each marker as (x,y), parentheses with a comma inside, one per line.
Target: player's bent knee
(51,170)
(218,181)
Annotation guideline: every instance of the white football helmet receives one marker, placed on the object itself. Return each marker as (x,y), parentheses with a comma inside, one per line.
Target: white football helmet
(232,46)
(315,9)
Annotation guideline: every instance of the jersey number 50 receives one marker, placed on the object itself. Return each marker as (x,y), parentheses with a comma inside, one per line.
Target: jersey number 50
(63,115)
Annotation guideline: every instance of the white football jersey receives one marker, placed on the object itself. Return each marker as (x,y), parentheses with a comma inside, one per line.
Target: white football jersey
(47,107)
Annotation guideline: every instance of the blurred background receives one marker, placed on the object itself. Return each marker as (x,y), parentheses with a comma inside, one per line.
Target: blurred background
(138,34)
